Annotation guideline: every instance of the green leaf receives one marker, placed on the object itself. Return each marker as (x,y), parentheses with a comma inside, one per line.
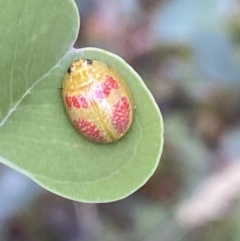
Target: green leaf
(37,139)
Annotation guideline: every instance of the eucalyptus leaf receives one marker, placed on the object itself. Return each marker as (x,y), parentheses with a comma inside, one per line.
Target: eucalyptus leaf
(36,137)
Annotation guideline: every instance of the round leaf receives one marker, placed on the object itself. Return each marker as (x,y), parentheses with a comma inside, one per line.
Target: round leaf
(37,139)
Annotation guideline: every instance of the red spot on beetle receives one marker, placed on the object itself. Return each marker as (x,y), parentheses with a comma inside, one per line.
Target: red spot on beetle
(109,84)
(79,102)
(75,102)
(68,100)
(89,130)
(121,115)
(83,101)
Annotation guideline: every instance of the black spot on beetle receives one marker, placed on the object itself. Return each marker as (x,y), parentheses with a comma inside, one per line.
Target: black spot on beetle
(89,61)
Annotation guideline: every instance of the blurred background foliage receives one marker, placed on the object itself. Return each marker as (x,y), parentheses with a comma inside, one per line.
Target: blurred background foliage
(188,53)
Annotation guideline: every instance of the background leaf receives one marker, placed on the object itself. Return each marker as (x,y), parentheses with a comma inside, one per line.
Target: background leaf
(36,137)
(34,36)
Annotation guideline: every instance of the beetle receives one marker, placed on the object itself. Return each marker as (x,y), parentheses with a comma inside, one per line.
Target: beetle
(97,100)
